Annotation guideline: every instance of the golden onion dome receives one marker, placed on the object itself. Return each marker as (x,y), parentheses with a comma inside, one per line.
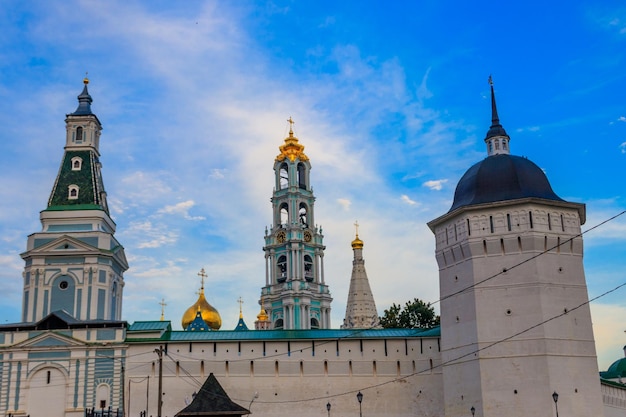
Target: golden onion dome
(262,316)
(209,314)
(357,243)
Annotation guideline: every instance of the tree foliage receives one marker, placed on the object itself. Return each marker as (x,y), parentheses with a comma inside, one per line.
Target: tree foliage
(414,314)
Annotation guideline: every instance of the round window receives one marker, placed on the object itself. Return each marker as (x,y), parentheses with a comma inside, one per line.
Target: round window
(63,285)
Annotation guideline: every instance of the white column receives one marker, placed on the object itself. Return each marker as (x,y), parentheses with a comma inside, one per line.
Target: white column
(267,270)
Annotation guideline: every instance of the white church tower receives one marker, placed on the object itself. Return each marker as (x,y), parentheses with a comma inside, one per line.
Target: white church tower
(361,310)
(515,326)
(295,295)
(75,264)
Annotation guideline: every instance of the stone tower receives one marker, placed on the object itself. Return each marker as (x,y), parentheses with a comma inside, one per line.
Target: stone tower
(515,323)
(75,263)
(295,295)
(361,310)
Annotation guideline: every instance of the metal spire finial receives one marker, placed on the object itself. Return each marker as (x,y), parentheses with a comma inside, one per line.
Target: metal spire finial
(495,120)
(162,304)
(240,301)
(202,275)
(291,123)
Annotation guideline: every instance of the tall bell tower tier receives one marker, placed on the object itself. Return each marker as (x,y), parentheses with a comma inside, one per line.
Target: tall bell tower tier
(295,295)
(75,263)
(515,323)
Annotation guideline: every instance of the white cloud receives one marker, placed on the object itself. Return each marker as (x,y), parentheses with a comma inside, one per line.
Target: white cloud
(150,235)
(436,185)
(345,203)
(218,173)
(621,119)
(622,146)
(408,200)
(181,208)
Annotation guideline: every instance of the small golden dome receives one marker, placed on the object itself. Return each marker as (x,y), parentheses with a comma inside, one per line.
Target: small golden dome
(209,314)
(357,243)
(262,316)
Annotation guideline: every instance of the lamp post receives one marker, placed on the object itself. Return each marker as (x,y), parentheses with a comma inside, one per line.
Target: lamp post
(359,397)
(555,397)
(473,411)
(328,409)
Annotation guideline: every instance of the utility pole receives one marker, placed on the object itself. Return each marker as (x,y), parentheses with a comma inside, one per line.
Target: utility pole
(159,352)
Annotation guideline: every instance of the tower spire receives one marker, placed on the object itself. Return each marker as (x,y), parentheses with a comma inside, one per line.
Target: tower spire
(361,310)
(84,101)
(497,139)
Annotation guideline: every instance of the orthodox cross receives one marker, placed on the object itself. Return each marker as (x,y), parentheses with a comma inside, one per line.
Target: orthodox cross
(162,304)
(291,123)
(356,225)
(202,276)
(240,301)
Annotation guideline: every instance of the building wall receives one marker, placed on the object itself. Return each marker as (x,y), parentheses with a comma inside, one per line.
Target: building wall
(404,375)
(500,293)
(60,373)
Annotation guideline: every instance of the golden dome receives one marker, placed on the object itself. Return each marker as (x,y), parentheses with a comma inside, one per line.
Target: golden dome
(291,149)
(357,243)
(262,316)
(209,314)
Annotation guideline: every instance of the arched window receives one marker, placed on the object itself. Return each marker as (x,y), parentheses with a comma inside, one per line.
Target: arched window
(504,144)
(301,176)
(72,192)
(77,163)
(497,143)
(308,268)
(315,324)
(79,134)
(281,269)
(302,215)
(278,324)
(284,176)
(284,214)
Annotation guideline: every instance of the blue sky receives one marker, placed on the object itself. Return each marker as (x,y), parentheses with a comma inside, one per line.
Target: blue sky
(389,98)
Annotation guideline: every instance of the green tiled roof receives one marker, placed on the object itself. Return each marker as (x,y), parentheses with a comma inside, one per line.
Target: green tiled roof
(149,326)
(326,334)
(87,179)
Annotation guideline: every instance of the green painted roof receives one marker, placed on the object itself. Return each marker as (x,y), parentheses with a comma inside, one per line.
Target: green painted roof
(616,370)
(234,335)
(150,326)
(87,179)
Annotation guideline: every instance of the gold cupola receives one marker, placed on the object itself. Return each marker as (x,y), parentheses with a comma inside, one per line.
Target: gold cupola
(209,314)
(291,149)
(357,243)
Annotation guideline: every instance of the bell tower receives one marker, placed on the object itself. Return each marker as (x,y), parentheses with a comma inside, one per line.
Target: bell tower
(295,295)
(74,263)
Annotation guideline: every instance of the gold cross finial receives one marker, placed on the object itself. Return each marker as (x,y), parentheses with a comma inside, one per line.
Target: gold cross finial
(202,275)
(490,80)
(356,225)
(240,301)
(291,123)
(162,304)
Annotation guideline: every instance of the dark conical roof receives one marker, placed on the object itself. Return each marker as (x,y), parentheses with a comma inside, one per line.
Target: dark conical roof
(500,178)
(84,102)
(496,128)
(212,400)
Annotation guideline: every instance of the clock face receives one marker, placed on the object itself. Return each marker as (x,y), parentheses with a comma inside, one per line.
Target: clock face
(307,236)
(281,237)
